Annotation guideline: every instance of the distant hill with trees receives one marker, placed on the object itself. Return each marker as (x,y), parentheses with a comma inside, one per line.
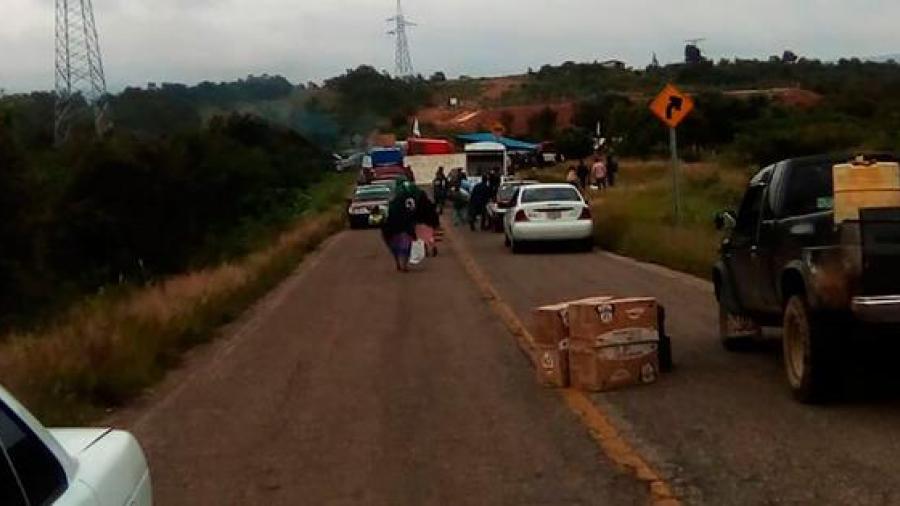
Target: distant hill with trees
(819,106)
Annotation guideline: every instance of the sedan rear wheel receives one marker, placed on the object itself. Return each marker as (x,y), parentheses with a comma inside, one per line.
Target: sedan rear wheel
(515,246)
(587,245)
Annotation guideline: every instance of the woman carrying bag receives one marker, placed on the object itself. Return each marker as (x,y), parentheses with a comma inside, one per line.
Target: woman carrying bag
(399,229)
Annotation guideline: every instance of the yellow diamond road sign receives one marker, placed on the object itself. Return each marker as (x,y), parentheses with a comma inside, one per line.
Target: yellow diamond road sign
(672,106)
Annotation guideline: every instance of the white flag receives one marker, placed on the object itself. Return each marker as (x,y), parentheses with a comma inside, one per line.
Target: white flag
(416,131)
(599,131)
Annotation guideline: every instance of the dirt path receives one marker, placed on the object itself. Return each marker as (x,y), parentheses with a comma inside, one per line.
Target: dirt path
(351,384)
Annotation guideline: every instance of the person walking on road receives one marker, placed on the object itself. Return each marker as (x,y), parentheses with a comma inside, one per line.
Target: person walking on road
(582,172)
(458,200)
(599,173)
(478,202)
(399,229)
(572,177)
(494,182)
(612,168)
(440,184)
(427,222)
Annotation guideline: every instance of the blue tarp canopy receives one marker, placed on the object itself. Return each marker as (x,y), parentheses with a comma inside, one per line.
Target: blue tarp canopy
(511,144)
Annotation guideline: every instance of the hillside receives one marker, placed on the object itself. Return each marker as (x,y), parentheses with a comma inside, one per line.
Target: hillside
(753,111)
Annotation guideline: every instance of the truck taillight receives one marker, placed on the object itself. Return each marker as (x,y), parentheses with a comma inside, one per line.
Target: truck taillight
(521,216)
(585,213)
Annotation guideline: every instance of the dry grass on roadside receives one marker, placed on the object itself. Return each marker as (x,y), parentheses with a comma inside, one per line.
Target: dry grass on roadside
(111,348)
(636,218)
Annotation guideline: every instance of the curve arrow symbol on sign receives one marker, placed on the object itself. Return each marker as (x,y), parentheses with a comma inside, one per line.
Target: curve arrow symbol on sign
(675,104)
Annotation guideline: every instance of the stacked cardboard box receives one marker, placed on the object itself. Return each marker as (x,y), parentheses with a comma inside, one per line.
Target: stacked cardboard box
(551,343)
(613,343)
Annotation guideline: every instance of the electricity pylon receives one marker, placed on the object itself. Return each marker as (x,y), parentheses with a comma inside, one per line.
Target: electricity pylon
(403,60)
(79,67)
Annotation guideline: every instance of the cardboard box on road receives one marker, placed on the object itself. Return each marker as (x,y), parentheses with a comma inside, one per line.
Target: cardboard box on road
(551,364)
(597,344)
(613,366)
(599,322)
(551,323)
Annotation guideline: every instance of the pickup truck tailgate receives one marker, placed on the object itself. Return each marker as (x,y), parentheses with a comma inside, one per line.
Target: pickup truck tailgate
(880,234)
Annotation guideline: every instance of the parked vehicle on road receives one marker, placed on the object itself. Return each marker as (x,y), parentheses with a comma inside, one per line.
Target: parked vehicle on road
(83,467)
(348,163)
(548,213)
(821,262)
(369,205)
(481,159)
(497,209)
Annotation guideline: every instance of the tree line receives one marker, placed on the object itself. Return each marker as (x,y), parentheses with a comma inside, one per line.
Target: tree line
(854,105)
(129,208)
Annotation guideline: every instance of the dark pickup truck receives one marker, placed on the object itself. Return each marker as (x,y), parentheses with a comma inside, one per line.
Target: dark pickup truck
(786,261)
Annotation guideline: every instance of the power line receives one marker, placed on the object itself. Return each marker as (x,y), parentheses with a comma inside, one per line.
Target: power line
(403,60)
(80,80)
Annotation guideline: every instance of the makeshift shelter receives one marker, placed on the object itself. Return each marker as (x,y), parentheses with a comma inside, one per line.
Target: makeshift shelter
(511,145)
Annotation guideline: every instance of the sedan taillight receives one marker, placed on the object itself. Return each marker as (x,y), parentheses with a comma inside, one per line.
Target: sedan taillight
(521,216)
(585,213)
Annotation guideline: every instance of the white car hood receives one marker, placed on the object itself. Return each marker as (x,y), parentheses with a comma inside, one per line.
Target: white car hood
(75,441)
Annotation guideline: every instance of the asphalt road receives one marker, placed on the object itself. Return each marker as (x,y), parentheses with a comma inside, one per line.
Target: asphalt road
(723,427)
(353,384)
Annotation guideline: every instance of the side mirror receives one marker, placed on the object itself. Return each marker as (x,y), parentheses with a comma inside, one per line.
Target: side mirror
(726,220)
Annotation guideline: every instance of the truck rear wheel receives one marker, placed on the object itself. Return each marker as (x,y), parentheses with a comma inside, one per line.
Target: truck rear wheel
(737,332)
(810,357)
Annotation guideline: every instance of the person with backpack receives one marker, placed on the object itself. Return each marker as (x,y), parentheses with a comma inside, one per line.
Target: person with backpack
(399,228)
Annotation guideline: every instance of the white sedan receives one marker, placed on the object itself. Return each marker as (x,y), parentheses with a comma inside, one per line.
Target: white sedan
(548,213)
(67,467)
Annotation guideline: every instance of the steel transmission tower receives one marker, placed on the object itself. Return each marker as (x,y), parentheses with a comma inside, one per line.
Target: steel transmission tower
(79,67)
(403,60)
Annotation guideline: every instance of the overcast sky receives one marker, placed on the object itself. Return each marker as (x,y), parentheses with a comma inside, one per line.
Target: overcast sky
(193,40)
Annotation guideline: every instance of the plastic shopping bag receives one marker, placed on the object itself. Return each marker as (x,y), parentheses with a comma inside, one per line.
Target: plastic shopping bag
(417,253)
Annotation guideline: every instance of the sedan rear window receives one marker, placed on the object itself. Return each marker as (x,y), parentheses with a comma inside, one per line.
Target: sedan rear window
(506,192)
(554,194)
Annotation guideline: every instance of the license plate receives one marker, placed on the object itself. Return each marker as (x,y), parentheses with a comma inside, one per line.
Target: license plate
(554,215)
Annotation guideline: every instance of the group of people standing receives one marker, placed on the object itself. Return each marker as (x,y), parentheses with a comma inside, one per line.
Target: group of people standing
(466,210)
(411,216)
(601,174)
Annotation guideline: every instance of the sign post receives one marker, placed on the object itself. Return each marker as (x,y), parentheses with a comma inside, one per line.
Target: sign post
(672,106)
(676,174)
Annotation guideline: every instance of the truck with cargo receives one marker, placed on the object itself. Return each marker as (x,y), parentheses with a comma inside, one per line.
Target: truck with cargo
(387,163)
(815,249)
(481,159)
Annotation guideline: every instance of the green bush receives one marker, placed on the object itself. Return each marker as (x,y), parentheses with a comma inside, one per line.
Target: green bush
(130,208)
